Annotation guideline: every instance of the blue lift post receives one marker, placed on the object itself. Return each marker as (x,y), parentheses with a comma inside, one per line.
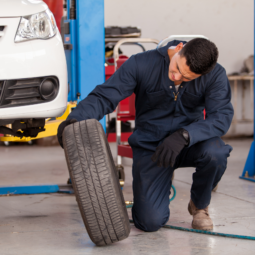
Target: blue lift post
(87,51)
(249,168)
(85,55)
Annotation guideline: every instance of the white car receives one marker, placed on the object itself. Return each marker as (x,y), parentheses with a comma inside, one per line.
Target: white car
(33,72)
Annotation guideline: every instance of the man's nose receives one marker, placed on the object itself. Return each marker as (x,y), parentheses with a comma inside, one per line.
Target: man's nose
(178,76)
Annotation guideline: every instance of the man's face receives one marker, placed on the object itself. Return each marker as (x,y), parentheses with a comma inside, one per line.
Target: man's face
(178,69)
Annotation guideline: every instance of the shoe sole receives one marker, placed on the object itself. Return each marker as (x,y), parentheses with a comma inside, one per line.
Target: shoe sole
(199,228)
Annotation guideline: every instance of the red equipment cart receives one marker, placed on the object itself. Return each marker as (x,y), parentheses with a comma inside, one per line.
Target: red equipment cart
(125,110)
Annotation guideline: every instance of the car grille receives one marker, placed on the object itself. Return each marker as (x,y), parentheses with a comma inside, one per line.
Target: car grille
(26,91)
(2,31)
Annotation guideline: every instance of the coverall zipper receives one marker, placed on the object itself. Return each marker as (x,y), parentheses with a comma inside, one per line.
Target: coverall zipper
(175,96)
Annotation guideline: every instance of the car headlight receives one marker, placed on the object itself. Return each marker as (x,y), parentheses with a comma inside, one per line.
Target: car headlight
(37,26)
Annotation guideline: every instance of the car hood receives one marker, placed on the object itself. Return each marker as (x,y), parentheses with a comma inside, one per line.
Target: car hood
(17,8)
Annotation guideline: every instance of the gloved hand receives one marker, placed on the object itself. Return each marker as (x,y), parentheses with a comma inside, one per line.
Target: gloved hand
(171,147)
(61,128)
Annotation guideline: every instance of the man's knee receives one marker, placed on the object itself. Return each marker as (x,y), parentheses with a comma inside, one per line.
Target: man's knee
(150,221)
(215,152)
(215,156)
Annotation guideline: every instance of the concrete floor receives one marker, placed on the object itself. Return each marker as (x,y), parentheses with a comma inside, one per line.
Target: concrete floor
(51,224)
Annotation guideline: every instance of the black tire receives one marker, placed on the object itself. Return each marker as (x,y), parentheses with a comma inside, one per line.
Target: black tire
(95,182)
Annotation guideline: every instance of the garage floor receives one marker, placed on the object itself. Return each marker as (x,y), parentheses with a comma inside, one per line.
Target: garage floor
(51,224)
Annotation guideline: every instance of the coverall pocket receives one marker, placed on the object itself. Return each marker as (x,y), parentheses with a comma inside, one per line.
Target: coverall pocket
(156,100)
(190,101)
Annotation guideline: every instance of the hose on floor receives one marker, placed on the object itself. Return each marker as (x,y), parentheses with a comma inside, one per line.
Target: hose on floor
(199,231)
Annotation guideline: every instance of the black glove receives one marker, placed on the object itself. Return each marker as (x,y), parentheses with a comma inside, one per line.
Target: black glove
(61,128)
(167,152)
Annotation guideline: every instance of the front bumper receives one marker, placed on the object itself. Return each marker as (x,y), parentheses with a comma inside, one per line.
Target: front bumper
(32,60)
(14,93)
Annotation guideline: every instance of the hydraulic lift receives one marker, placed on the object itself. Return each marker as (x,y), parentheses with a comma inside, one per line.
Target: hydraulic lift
(83,34)
(249,168)
(85,49)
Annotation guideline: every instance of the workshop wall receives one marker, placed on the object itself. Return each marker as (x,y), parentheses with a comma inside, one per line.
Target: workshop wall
(228,23)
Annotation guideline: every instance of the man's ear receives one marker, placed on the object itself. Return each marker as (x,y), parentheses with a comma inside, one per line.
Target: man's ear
(178,47)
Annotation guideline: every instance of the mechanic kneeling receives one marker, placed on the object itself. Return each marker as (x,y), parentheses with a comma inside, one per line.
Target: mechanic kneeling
(173,85)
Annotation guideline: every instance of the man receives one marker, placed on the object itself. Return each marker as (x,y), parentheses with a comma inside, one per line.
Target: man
(173,85)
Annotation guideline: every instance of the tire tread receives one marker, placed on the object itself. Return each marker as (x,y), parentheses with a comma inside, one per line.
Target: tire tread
(95,182)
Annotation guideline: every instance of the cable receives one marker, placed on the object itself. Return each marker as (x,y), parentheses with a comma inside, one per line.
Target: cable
(210,233)
(173,197)
(207,232)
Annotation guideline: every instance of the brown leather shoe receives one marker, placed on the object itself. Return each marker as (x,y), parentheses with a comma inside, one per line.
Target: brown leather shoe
(201,218)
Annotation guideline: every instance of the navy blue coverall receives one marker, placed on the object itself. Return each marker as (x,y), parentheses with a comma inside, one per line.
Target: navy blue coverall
(159,115)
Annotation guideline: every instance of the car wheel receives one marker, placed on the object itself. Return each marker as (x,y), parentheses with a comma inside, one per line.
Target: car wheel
(95,182)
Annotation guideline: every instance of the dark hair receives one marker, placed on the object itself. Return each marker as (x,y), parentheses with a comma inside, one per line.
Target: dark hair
(201,55)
